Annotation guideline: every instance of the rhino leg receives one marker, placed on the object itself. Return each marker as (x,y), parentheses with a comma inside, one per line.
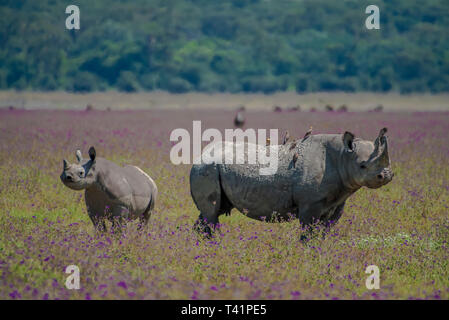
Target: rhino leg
(310,219)
(119,215)
(326,224)
(207,194)
(332,219)
(335,216)
(98,222)
(145,217)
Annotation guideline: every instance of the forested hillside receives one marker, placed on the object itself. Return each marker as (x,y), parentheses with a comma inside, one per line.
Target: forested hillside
(225,46)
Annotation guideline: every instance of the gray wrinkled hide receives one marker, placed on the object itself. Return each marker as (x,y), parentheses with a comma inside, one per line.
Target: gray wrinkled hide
(127,191)
(316,187)
(111,191)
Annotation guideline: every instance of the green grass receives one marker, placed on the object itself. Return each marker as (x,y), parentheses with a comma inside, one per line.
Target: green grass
(403,228)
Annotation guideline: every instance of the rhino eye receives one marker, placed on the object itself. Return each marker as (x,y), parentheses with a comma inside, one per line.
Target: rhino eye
(80,174)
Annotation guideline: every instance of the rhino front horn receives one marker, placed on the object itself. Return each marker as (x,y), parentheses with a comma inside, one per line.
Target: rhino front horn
(384,157)
(385,147)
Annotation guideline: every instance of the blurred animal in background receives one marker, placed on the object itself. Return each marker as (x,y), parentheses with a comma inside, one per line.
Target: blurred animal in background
(277,109)
(343,108)
(241,108)
(89,107)
(111,192)
(239,120)
(329,108)
(378,108)
(294,109)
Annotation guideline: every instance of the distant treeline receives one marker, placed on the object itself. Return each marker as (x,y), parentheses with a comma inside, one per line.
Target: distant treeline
(225,46)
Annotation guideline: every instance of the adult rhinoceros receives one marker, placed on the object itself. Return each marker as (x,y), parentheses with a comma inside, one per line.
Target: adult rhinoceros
(314,178)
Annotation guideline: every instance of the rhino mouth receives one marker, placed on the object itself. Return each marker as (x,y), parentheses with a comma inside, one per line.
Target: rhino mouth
(382,180)
(376,186)
(72,184)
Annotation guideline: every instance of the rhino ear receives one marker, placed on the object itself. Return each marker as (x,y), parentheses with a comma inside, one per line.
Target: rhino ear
(348,139)
(79,157)
(92,153)
(65,164)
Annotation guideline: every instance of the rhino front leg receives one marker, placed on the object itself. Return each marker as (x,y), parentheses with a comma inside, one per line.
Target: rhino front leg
(326,223)
(119,217)
(98,222)
(203,225)
(310,219)
(332,220)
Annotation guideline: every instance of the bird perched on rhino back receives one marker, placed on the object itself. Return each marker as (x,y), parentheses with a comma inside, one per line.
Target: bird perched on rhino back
(286,137)
(312,181)
(307,134)
(111,191)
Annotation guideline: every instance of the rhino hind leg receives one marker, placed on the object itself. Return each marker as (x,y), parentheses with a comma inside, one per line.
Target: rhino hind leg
(145,217)
(208,196)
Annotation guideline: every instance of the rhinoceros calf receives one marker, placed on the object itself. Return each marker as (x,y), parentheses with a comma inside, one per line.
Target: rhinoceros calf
(112,192)
(327,169)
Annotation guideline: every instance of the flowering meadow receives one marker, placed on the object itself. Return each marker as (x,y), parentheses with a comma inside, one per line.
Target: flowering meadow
(403,227)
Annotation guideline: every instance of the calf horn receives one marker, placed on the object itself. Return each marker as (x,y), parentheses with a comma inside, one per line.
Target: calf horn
(79,156)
